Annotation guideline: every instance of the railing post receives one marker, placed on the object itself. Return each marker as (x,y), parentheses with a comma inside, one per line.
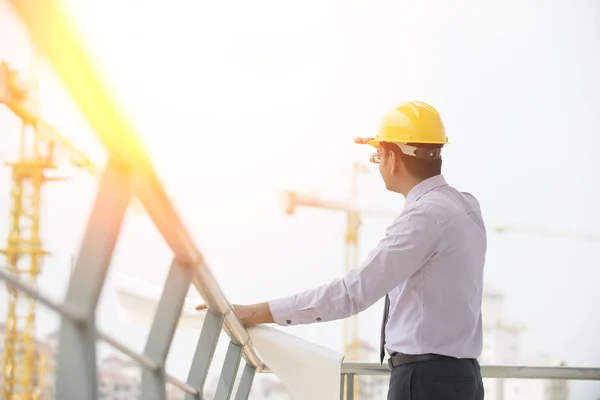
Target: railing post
(350,387)
(229,372)
(163,328)
(76,378)
(205,350)
(243,391)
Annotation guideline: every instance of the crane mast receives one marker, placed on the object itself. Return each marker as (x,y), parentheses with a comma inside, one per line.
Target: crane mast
(24,252)
(294,199)
(351,345)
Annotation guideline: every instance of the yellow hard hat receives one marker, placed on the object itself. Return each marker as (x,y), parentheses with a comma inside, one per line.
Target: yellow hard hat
(411,122)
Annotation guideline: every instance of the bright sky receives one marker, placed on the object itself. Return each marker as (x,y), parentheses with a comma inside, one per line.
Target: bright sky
(236,101)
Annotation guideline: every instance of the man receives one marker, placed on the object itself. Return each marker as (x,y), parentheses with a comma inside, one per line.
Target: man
(429,267)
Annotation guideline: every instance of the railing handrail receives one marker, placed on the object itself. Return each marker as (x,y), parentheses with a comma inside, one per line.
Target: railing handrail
(492,371)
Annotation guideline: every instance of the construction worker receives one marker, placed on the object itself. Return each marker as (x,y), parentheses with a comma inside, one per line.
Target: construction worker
(429,267)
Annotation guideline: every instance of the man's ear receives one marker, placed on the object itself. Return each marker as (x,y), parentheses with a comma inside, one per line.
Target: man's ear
(393,160)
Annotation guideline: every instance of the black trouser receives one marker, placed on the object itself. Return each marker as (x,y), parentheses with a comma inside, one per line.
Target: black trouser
(441,379)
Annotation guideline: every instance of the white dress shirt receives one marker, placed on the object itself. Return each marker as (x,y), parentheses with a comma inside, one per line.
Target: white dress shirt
(430,262)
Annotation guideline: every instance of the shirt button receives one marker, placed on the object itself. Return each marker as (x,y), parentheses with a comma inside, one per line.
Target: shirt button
(288,321)
(318,318)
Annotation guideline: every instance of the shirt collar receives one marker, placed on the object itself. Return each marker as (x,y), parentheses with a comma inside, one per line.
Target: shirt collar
(423,187)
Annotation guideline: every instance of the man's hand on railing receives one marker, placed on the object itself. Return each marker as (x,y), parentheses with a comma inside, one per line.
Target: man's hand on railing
(254,314)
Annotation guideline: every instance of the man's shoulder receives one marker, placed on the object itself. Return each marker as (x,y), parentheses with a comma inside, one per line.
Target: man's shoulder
(469,196)
(414,214)
(452,194)
(447,202)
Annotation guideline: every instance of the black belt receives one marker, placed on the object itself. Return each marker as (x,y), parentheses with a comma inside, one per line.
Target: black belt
(397,359)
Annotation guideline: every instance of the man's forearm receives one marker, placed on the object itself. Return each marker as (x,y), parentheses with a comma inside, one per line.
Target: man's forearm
(321,304)
(254,314)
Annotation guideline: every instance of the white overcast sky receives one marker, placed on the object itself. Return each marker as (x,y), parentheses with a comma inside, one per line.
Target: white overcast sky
(236,101)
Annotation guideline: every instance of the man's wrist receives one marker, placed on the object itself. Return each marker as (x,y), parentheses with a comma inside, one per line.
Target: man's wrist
(262,314)
(257,314)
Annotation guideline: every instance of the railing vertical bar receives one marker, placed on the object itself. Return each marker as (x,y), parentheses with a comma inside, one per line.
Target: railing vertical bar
(350,387)
(205,350)
(229,372)
(245,387)
(76,377)
(163,328)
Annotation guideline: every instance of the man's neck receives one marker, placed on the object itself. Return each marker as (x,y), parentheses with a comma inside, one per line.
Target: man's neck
(408,185)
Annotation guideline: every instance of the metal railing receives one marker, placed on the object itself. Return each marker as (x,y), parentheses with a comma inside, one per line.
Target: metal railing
(129,173)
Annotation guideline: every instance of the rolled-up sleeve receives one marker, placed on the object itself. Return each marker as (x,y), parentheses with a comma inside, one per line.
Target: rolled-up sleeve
(409,243)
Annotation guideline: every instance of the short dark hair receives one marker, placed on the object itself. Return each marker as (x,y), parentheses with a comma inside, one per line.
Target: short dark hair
(418,167)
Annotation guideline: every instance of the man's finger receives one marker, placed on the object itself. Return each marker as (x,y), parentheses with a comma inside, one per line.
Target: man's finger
(359,140)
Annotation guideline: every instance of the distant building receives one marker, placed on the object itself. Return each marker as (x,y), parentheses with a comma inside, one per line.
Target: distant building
(501,340)
(502,346)
(120,379)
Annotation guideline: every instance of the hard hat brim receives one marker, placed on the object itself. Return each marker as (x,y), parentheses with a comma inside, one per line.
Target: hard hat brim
(376,143)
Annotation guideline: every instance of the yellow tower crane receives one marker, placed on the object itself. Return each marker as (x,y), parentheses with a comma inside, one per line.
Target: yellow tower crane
(24,251)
